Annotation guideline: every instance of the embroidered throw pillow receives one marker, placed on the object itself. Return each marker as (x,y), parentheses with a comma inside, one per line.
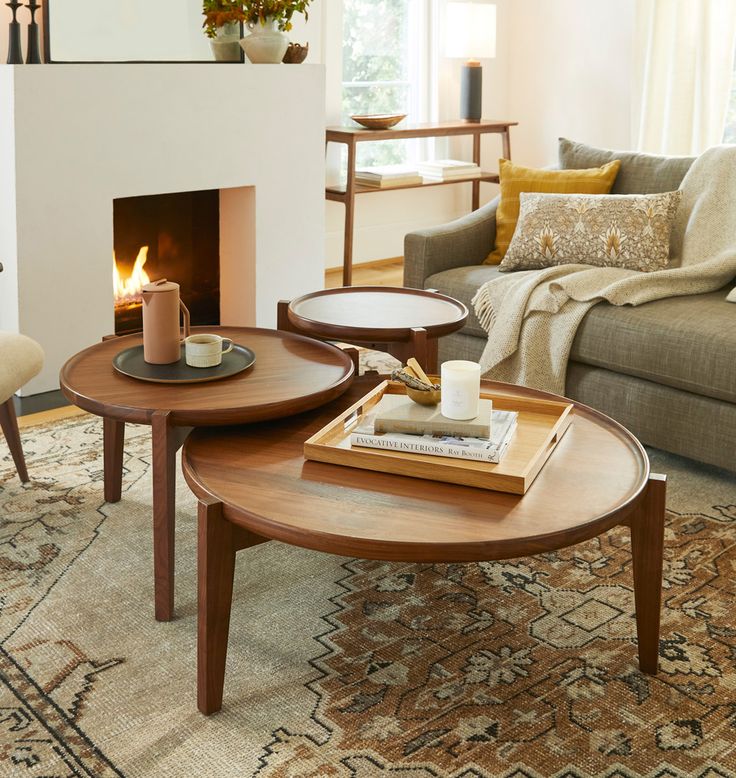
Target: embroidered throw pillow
(627,231)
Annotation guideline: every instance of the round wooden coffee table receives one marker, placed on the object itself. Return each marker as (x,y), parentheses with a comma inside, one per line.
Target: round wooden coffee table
(598,477)
(404,322)
(291,374)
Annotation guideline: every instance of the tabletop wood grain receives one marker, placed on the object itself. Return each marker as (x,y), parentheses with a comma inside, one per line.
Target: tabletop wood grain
(592,482)
(291,374)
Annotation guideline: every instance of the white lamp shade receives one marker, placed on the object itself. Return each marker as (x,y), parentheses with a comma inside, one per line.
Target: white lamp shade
(470,30)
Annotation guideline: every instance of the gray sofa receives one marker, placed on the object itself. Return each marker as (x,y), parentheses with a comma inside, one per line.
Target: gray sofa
(666,369)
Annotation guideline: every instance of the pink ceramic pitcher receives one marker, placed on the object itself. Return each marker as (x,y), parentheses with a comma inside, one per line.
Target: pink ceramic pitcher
(162,337)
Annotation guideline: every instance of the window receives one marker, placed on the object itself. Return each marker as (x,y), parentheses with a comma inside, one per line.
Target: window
(385,69)
(730,134)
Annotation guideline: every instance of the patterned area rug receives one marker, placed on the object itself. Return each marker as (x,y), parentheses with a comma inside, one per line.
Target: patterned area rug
(342,667)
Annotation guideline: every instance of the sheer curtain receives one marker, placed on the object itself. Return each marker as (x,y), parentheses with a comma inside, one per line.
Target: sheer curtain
(685,69)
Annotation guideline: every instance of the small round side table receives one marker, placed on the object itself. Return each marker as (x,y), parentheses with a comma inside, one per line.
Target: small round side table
(404,322)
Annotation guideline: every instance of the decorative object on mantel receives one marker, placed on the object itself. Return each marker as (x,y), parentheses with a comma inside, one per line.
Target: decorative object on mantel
(226,43)
(223,25)
(269,21)
(470,34)
(379,121)
(266,44)
(296,54)
(162,338)
(15,52)
(33,52)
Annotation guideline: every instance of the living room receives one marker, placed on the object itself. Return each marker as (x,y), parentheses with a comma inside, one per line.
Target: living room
(439,481)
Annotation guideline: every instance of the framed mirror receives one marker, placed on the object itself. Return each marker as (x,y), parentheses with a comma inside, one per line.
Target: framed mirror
(125,31)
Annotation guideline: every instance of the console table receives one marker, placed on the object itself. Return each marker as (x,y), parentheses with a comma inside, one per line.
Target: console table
(351,136)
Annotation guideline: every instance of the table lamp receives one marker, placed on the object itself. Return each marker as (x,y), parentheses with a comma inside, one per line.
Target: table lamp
(470,33)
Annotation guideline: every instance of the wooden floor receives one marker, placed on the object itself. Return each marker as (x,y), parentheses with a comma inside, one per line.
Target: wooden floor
(380,272)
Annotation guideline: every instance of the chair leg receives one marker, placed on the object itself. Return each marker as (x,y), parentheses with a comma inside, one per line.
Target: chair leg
(9,424)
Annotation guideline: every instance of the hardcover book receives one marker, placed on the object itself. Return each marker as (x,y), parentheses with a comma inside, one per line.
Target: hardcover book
(480,449)
(397,413)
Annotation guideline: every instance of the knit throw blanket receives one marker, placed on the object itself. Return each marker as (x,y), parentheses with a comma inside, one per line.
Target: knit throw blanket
(532,316)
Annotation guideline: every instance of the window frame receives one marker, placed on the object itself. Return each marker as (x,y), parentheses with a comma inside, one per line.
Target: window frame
(422,75)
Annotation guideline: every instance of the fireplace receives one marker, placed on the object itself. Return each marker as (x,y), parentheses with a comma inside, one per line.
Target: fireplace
(174,236)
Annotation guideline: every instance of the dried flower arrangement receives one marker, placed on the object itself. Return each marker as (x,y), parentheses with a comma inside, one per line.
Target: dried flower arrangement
(218,13)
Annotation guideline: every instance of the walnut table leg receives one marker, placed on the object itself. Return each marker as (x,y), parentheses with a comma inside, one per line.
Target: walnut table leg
(217,542)
(113,433)
(647,546)
(165,444)
(215,571)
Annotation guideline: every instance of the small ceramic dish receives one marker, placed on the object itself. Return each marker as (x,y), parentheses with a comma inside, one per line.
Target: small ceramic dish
(379,121)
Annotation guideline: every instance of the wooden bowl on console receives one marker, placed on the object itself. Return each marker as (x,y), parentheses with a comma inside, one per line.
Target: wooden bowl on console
(379,121)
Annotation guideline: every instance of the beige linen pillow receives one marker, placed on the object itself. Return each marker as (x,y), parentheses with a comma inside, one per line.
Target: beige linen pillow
(627,231)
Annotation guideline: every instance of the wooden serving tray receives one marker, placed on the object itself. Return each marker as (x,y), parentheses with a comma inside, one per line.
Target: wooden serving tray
(540,427)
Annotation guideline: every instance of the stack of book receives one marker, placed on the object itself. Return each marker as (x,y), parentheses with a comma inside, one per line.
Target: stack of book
(386,176)
(448,169)
(399,424)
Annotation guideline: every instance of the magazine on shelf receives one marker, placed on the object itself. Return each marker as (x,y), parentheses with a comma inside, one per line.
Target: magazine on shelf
(387,183)
(386,172)
(489,450)
(444,168)
(453,177)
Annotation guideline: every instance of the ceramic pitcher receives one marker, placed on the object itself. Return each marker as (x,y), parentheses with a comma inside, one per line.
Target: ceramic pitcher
(162,337)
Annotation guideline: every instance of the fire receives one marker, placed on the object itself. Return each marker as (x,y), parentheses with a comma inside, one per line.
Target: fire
(129,290)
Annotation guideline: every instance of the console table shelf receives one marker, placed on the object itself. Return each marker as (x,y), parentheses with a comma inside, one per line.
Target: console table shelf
(351,136)
(337,194)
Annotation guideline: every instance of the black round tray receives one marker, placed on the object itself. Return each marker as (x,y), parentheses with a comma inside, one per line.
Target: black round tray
(131,363)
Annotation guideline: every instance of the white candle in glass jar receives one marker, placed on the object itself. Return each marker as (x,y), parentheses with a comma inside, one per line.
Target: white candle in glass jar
(460,389)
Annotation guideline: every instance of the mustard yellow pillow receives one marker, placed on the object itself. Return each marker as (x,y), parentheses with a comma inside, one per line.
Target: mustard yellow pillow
(516,179)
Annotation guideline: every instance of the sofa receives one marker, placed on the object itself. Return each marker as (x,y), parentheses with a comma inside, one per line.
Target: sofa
(666,369)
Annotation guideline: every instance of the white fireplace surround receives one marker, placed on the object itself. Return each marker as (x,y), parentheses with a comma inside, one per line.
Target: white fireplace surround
(75,137)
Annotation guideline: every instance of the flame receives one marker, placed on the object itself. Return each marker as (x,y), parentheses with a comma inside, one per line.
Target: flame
(129,290)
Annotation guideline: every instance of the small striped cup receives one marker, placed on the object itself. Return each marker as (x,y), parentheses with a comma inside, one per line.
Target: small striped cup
(206,350)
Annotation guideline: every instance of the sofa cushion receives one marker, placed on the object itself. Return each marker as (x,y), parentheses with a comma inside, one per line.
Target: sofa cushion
(684,342)
(639,173)
(462,283)
(687,342)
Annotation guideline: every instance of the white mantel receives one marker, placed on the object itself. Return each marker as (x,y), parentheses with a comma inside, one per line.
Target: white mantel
(74,137)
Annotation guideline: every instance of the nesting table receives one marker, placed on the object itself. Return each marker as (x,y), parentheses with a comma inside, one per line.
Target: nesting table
(404,322)
(249,480)
(291,374)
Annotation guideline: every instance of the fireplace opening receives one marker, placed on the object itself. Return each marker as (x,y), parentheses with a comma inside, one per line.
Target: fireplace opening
(174,236)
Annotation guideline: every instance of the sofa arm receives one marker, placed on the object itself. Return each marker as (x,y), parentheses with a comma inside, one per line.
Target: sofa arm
(466,241)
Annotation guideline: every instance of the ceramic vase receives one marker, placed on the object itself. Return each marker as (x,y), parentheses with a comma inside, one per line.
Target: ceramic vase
(226,46)
(266,44)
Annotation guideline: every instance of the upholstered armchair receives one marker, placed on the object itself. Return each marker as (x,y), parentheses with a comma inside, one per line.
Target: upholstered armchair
(21,358)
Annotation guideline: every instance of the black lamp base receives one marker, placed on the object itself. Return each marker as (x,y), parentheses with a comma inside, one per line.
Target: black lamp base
(471,93)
